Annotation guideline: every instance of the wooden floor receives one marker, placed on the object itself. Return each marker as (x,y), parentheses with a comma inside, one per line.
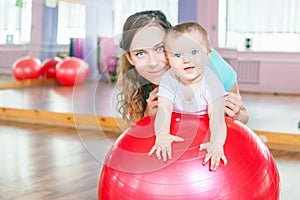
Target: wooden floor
(93,104)
(50,162)
(40,162)
(273,112)
(268,112)
(275,118)
(92,98)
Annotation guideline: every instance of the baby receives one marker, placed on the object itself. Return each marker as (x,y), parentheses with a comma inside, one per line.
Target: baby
(190,87)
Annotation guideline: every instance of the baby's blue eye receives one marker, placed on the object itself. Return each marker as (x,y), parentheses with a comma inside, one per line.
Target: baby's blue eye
(160,48)
(177,55)
(194,52)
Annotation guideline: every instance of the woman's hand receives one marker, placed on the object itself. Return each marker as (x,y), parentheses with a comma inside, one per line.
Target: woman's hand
(163,147)
(233,104)
(235,108)
(152,103)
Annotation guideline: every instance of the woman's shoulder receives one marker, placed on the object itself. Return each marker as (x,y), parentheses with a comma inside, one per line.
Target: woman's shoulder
(222,69)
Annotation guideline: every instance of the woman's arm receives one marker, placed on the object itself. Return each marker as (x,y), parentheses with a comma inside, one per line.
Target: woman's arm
(234,106)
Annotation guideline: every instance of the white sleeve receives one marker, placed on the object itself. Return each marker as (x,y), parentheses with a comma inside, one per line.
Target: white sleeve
(214,86)
(167,85)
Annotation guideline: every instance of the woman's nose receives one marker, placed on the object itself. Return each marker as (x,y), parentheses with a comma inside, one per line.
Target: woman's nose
(155,58)
(152,59)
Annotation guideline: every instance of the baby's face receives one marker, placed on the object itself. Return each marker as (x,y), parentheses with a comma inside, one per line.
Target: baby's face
(187,55)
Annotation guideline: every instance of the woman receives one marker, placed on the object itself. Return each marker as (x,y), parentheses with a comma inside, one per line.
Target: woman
(144,62)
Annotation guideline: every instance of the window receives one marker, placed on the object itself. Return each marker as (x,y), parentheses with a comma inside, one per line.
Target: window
(15,21)
(268,25)
(124,8)
(71,21)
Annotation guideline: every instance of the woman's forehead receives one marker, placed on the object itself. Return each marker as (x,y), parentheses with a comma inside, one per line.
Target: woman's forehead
(147,37)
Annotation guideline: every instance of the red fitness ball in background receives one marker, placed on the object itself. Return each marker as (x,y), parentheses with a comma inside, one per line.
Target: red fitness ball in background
(72,71)
(26,68)
(49,67)
(129,173)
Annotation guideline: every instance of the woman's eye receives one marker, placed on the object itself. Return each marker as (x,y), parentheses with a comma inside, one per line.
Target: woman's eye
(194,52)
(177,55)
(160,49)
(140,54)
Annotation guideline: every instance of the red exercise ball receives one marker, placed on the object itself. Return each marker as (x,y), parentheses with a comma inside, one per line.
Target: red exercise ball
(49,67)
(72,71)
(27,68)
(129,173)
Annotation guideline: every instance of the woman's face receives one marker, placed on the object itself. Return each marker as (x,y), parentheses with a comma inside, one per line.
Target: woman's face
(147,53)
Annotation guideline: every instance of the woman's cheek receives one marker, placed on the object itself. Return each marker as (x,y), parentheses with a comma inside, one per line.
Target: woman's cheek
(164,59)
(141,71)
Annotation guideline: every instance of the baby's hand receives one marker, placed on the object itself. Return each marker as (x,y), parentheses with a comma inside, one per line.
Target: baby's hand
(215,153)
(163,145)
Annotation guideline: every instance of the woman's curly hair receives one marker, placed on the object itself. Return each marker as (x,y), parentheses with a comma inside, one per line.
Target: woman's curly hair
(134,89)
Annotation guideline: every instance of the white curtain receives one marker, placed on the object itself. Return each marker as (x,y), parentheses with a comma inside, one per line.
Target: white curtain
(11,15)
(15,21)
(125,8)
(71,21)
(263,16)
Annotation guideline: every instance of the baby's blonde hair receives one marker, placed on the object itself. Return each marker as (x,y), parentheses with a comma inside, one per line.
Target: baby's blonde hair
(186,27)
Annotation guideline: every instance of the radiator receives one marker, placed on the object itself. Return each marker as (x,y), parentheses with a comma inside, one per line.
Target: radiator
(247,70)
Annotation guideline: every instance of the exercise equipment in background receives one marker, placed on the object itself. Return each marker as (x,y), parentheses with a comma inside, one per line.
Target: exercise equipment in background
(76,47)
(26,68)
(107,61)
(49,67)
(72,71)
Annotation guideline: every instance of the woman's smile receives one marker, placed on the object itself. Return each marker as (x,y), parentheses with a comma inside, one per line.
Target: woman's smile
(157,72)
